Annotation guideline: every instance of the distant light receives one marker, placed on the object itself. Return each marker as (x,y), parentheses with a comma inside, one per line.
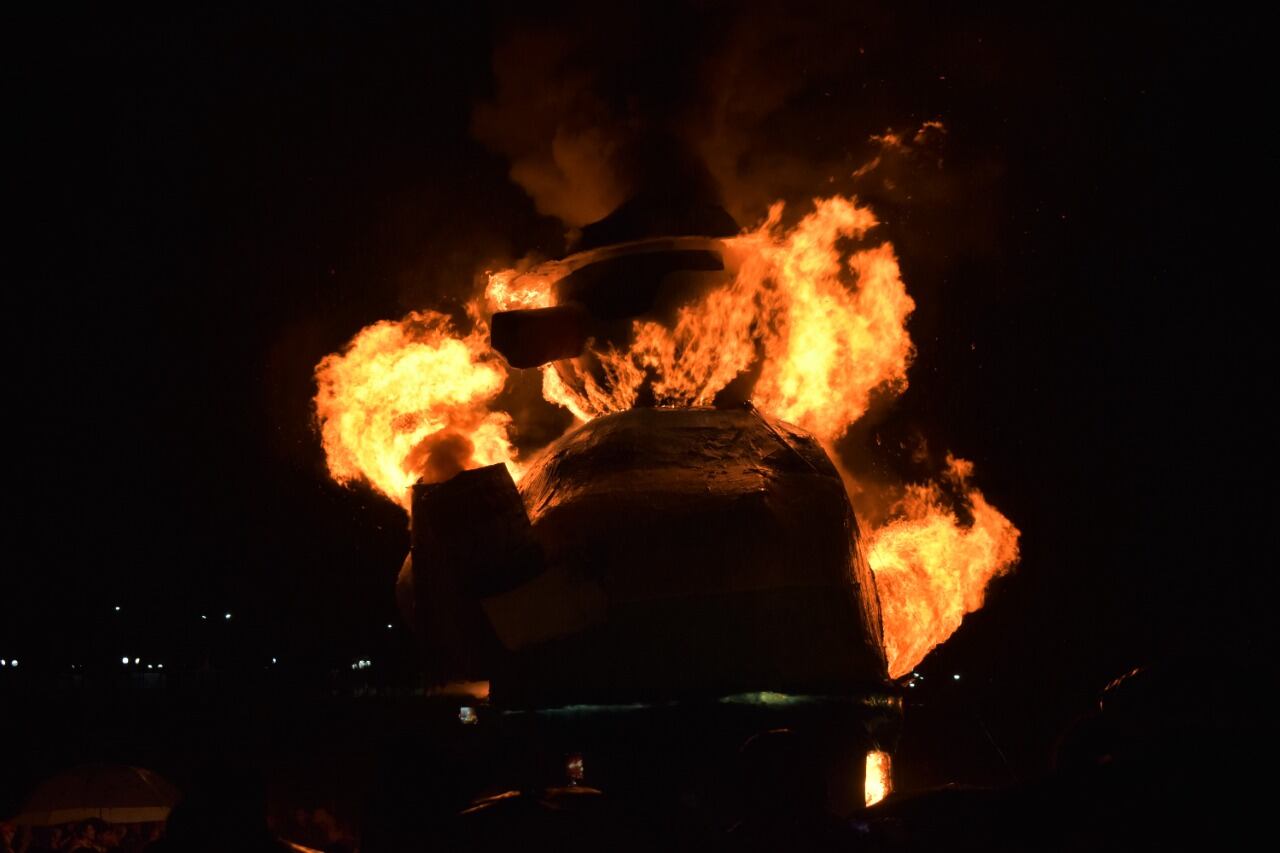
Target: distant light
(13,662)
(117,608)
(467,715)
(137,660)
(388,626)
(149,666)
(273,660)
(956,676)
(763,697)
(226,616)
(124,660)
(159,666)
(574,769)
(4,663)
(202,616)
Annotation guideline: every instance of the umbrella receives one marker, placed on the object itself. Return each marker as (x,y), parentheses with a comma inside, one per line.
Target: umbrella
(110,792)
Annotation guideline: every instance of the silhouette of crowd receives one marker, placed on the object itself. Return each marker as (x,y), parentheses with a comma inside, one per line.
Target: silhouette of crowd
(90,836)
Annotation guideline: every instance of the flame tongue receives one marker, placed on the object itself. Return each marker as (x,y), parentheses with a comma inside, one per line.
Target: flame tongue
(834,344)
(408,399)
(931,570)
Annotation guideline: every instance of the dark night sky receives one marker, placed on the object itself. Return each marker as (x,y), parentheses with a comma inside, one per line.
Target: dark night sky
(210,203)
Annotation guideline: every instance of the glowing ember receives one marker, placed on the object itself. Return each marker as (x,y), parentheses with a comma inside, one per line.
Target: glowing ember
(574,770)
(878,781)
(410,399)
(931,570)
(507,290)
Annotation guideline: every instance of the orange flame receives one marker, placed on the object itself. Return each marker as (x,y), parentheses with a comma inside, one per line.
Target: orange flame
(508,290)
(819,311)
(408,399)
(931,569)
(829,326)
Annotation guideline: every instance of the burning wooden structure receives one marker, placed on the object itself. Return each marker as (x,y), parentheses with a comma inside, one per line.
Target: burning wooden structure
(649,555)
(690,571)
(703,562)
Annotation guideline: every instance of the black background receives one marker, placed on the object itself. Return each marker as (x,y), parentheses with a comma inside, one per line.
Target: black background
(204,204)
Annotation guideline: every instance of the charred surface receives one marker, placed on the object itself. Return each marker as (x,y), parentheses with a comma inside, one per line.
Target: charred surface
(666,555)
(694,551)
(470,539)
(532,337)
(628,286)
(599,299)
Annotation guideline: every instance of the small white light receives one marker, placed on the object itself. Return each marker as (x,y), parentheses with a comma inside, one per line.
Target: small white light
(388,626)
(137,660)
(956,676)
(4,662)
(467,716)
(226,616)
(13,662)
(159,666)
(202,616)
(273,660)
(124,660)
(149,666)
(117,608)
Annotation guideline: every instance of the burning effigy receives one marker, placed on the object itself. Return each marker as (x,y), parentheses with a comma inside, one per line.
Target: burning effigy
(690,538)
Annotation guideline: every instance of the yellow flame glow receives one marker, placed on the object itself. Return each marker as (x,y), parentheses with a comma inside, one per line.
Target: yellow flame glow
(878,780)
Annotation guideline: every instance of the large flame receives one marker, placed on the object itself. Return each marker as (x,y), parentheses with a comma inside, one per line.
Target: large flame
(931,569)
(827,323)
(409,400)
(818,310)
